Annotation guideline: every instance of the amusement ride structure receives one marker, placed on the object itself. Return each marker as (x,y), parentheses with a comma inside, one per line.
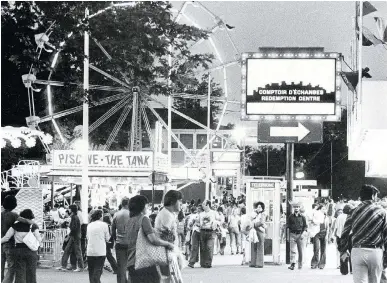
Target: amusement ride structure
(130,100)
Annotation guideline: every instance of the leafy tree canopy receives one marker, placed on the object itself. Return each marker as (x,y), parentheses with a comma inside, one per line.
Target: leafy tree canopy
(138,39)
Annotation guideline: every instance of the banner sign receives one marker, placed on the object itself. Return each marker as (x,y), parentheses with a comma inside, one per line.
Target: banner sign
(107,160)
(290,84)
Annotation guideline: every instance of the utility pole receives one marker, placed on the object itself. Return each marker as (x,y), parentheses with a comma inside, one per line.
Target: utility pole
(209,170)
(85,129)
(289,193)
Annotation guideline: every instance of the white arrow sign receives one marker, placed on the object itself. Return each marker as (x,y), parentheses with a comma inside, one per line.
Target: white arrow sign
(300,131)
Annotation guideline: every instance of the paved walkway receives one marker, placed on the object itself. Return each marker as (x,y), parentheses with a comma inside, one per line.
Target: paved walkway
(228,269)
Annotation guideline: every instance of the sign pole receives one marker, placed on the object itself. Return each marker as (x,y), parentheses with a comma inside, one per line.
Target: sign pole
(85,134)
(289,193)
(52,191)
(331,193)
(153,191)
(153,180)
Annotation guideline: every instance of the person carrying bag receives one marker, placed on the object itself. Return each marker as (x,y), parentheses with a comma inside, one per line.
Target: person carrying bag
(147,254)
(145,249)
(27,242)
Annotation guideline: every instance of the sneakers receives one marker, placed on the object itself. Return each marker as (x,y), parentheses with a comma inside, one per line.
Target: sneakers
(78,270)
(61,268)
(191,265)
(291,267)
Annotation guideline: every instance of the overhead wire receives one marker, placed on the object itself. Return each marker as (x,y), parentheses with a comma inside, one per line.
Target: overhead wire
(333,165)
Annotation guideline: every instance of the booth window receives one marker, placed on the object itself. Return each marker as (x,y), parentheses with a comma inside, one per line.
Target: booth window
(201,141)
(217,143)
(174,144)
(187,140)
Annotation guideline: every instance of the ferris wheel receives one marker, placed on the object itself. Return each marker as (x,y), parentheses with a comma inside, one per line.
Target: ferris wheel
(126,99)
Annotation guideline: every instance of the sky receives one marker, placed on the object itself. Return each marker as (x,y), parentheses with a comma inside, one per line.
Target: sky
(327,24)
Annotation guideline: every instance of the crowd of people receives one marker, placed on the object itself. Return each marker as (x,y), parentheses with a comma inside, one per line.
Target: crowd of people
(199,230)
(358,228)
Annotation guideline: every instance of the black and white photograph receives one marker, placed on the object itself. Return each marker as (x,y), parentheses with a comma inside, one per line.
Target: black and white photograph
(193,141)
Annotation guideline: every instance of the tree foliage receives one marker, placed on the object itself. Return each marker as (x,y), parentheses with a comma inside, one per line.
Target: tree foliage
(256,161)
(138,39)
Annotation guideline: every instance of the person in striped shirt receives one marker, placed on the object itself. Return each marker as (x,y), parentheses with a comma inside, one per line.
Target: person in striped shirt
(369,235)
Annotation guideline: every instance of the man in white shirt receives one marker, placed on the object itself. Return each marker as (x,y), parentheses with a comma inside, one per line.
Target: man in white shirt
(208,220)
(54,213)
(316,219)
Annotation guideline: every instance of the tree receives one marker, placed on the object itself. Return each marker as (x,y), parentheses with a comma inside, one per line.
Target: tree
(137,38)
(195,108)
(256,159)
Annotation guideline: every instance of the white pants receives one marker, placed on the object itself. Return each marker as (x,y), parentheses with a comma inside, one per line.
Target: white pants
(367,265)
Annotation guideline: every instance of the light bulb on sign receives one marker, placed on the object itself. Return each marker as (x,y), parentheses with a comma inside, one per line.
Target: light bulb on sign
(300,175)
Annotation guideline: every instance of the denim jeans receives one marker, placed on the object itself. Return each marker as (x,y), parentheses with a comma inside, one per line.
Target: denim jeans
(7,256)
(73,246)
(122,255)
(257,251)
(181,238)
(235,237)
(296,243)
(319,245)
(84,241)
(194,256)
(207,239)
(111,259)
(222,245)
(26,262)
(95,266)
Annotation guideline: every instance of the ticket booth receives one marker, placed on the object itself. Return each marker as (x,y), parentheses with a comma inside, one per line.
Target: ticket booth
(269,192)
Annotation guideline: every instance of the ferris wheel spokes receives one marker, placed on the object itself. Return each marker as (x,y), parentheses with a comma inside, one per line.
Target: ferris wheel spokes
(117,126)
(172,134)
(79,108)
(93,87)
(108,75)
(108,114)
(147,127)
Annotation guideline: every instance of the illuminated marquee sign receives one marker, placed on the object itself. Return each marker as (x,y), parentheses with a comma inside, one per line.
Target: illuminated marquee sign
(109,160)
(290,86)
(265,185)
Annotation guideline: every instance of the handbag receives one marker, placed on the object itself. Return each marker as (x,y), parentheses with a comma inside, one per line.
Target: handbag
(148,254)
(31,241)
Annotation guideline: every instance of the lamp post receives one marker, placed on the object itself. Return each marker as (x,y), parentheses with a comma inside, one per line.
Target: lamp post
(239,135)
